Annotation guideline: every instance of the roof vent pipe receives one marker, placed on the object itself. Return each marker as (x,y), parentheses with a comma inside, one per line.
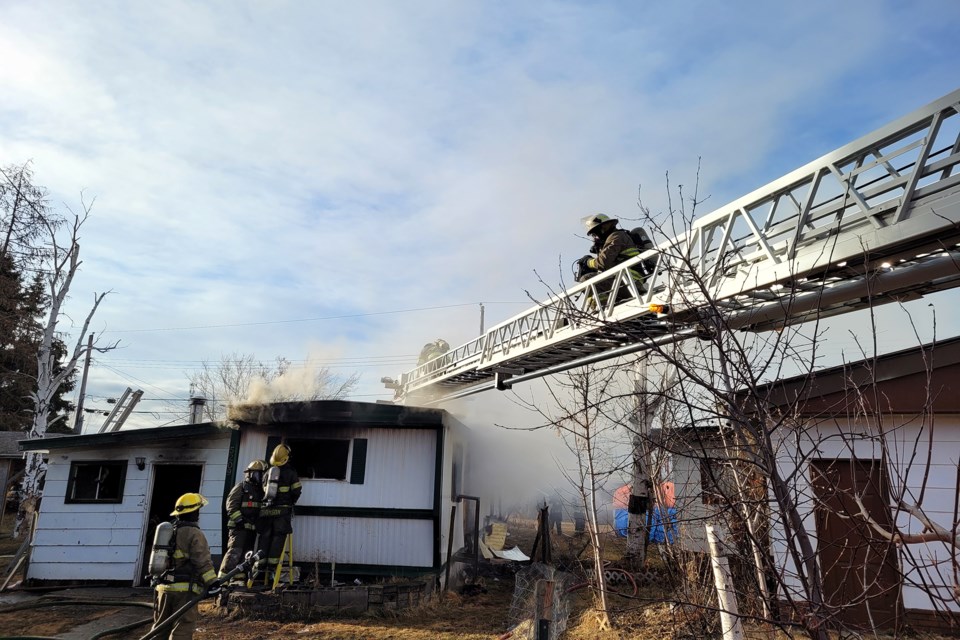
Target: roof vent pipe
(197,403)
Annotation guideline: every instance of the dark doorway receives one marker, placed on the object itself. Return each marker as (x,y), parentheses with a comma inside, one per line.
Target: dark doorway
(170,481)
(860,574)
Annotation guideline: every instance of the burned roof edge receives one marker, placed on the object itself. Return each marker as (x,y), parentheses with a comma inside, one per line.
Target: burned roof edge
(131,436)
(335,411)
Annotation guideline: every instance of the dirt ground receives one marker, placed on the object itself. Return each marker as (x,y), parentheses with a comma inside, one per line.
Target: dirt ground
(480,614)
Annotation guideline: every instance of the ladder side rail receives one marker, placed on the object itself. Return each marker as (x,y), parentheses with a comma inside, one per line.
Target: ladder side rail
(116,409)
(838,206)
(891,180)
(921,163)
(132,402)
(945,166)
(953,150)
(834,205)
(540,327)
(904,127)
(934,228)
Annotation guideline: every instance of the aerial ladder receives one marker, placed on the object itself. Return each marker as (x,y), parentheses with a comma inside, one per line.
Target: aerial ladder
(877,220)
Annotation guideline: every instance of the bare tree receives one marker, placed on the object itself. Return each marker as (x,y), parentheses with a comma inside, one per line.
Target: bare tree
(242,378)
(61,265)
(752,454)
(579,407)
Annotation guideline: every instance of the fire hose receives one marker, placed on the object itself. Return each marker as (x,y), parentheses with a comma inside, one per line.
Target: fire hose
(62,602)
(158,632)
(162,629)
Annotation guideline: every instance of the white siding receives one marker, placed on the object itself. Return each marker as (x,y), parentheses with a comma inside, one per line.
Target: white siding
(455,435)
(371,541)
(105,541)
(926,567)
(400,468)
(399,474)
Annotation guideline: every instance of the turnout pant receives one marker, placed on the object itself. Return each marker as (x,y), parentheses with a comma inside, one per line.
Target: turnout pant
(165,604)
(238,544)
(273,533)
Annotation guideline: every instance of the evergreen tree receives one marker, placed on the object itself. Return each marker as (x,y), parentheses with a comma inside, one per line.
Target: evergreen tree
(24,217)
(20,309)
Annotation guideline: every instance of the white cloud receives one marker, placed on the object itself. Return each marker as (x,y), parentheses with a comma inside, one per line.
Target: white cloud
(299,160)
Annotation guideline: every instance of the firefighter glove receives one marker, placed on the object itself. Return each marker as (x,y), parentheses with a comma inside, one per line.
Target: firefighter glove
(214,588)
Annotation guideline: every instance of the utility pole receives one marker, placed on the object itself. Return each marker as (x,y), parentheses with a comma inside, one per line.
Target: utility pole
(78,413)
(481,318)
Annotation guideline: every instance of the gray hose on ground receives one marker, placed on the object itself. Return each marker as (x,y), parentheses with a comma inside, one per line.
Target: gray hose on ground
(126,627)
(67,602)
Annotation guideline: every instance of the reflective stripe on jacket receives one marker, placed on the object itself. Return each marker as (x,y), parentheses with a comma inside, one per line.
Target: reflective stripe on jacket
(617,247)
(243,505)
(192,566)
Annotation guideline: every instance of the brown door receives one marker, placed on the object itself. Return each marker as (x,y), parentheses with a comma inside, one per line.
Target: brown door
(860,575)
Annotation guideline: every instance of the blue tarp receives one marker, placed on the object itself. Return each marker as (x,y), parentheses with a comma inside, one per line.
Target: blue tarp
(657,532)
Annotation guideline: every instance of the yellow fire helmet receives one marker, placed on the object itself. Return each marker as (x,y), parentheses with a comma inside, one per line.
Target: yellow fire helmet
(256,465)
(188,503)
(280,455)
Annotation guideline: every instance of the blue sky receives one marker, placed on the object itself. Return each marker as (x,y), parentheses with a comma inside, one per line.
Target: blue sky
(264,162)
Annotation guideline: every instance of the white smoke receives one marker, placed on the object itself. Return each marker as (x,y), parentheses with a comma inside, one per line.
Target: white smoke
(311,379)
(512,468)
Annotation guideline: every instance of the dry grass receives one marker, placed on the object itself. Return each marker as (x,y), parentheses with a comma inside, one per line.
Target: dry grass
(648,615)
(8,546)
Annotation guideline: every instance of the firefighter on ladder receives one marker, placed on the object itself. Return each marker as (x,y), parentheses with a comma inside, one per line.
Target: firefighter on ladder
(191,571)
(281,490)
(433,350)
(243,512)
(612,246)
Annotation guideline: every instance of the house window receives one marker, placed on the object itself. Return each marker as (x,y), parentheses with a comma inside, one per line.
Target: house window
(324,459)
(96,482)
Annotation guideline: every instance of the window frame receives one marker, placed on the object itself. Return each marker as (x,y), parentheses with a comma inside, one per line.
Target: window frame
(296,444)
(75,465)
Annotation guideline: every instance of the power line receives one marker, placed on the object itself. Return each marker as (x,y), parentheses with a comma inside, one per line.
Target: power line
(195,365)
(299,360)
(133,378)
(340,317)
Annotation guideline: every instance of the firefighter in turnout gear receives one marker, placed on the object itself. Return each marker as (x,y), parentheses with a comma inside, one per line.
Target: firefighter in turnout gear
(281,489)
(433,350)
(190,571)
(243,512)
(612,246)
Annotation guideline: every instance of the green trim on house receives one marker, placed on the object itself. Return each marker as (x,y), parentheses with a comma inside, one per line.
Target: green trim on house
(229,479)
(358,467)
(437,490)
(377,570)
(364,512)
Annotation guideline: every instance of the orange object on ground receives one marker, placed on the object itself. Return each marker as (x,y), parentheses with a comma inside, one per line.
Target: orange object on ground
(621,497)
